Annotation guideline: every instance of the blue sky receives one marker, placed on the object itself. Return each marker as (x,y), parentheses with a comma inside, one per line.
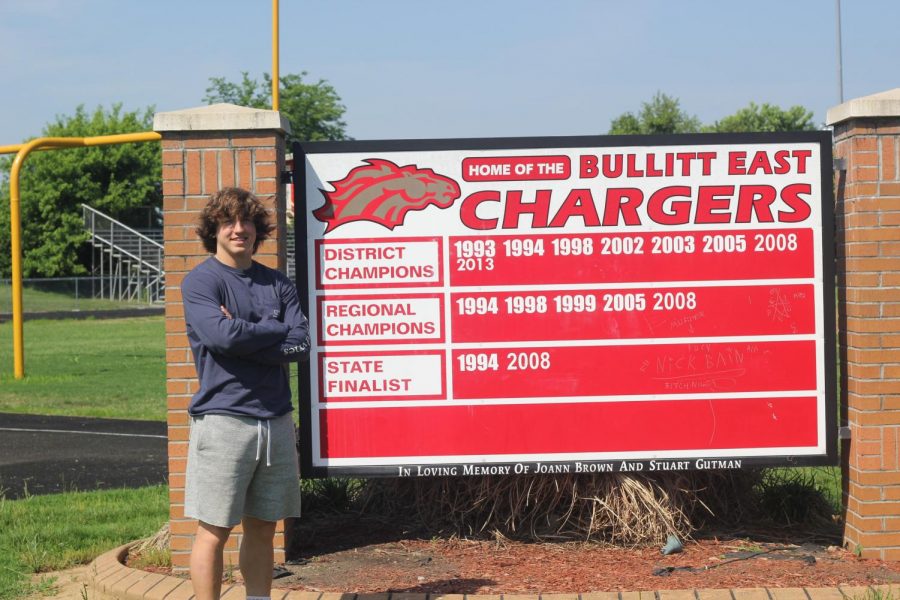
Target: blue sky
(438,69)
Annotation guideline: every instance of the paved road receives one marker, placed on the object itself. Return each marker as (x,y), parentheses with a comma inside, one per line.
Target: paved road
(46,455)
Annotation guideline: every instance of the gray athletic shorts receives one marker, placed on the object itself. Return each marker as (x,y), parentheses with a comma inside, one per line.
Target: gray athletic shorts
(227,472)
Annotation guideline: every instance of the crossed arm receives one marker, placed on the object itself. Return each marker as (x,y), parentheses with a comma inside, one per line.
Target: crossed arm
(269,341)
(295,345)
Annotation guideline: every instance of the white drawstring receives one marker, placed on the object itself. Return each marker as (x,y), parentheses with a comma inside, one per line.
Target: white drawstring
(268,443)
(259,436)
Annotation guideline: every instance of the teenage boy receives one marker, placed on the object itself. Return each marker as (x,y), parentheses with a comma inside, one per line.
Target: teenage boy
(244,325)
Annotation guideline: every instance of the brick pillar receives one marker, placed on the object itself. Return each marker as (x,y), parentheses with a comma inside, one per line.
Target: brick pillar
(867,144)
(203,150)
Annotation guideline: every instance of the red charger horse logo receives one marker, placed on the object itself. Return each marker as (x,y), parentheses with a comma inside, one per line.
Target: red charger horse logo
(383,193)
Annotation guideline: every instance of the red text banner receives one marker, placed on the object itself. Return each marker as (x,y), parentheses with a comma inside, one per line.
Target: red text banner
(722,368)
(633,313)
(551,429)
(516,168)
(626,257)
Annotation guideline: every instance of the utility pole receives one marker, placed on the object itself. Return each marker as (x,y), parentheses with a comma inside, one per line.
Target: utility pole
(840,65)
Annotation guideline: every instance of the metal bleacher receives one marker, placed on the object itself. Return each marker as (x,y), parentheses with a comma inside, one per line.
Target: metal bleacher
(129,262)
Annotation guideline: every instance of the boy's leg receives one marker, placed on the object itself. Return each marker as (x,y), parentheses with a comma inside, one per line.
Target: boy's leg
(257,556)
(207,560)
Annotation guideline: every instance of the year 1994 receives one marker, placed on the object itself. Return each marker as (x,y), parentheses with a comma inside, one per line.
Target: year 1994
(513,361)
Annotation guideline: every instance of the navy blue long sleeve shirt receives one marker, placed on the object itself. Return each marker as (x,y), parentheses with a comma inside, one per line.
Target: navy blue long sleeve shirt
(241,360)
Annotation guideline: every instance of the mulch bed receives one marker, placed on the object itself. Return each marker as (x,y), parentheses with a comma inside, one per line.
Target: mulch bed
(349,553)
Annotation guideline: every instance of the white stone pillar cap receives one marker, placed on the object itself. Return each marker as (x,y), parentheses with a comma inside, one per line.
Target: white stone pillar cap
(883,104)
(220,117)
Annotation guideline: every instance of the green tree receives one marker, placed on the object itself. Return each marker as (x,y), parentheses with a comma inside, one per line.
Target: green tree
(767,117)
(53,184)
(313,109)
(662,114)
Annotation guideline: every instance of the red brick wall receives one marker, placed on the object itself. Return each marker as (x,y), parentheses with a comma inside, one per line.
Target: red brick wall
(868,254)
(195,165)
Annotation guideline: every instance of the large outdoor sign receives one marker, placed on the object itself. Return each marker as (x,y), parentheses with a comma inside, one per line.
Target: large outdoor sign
(582,304)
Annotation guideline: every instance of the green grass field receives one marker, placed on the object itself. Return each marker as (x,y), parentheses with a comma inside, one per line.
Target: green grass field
(90,368)
(34,300)
(101,368)
(48,533)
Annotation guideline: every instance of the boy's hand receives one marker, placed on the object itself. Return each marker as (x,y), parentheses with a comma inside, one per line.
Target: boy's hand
(225,312)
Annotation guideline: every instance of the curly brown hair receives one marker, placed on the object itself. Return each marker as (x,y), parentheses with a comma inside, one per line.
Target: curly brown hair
(227,206)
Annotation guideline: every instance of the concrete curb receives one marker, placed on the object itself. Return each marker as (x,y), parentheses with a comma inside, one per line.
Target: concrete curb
(110,578)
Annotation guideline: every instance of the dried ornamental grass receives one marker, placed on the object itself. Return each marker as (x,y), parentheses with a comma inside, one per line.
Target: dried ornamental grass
(158,541)
(617,508)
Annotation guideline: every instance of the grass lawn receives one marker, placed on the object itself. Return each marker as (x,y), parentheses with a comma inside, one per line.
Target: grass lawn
(34,300)
(48,533)
(827,480)
(89,368)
